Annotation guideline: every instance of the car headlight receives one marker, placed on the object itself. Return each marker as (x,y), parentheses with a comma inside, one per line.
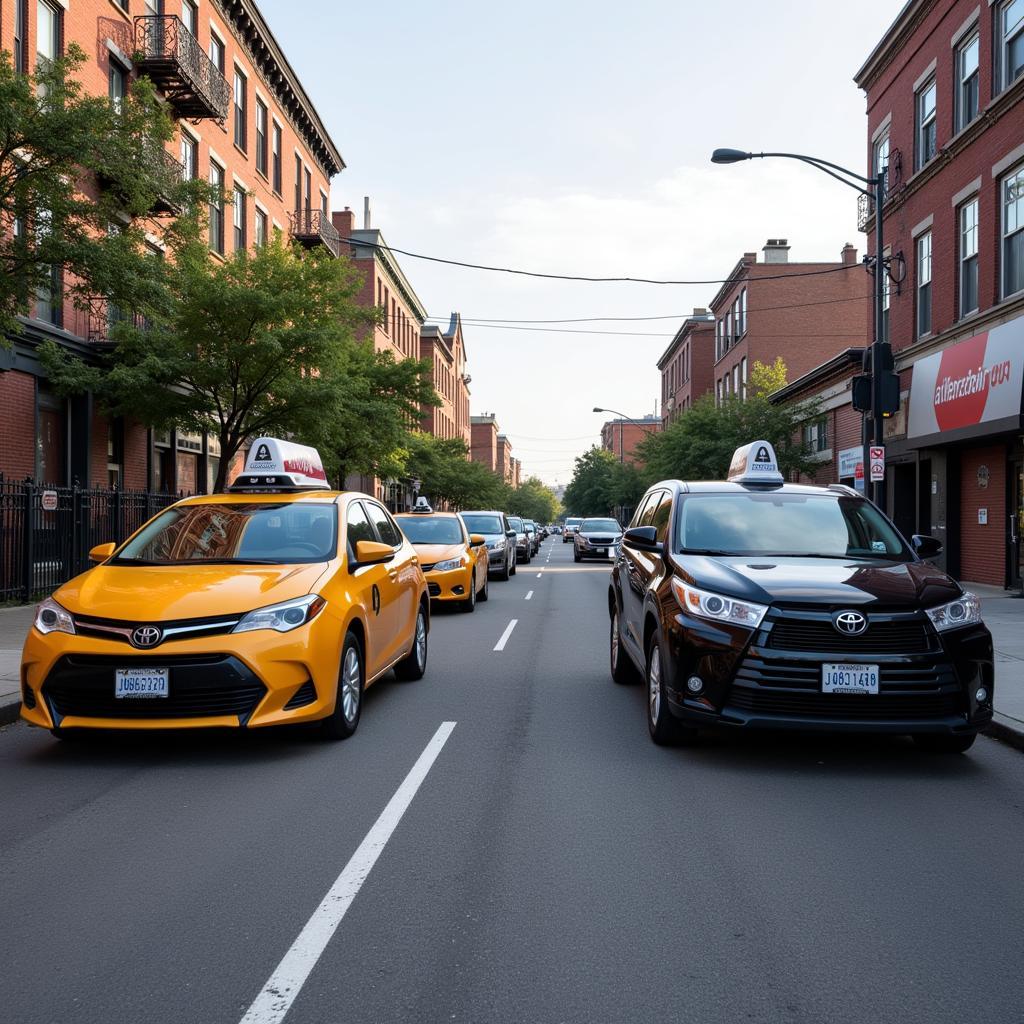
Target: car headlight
(52,618)
(448,564)
(282,617)
(717,606)
(964,611)
(496,545)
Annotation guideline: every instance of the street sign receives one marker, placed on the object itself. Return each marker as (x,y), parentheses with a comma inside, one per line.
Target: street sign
(876,456)
(49,501)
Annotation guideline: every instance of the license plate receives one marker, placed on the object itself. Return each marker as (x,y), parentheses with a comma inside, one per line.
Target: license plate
(844,678)
(602,551)
(141,682)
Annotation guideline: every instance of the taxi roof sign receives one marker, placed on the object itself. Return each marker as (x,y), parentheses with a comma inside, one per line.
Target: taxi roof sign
(755,463)
(276,465)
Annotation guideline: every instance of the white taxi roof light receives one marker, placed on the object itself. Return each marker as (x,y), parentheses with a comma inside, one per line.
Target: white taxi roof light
(277,465)
(422,505)
(755,463)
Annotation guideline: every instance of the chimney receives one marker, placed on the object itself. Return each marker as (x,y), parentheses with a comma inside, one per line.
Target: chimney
(750,257)
(344,222)
(848,255)
(776,250)
(700,312)
(366,213)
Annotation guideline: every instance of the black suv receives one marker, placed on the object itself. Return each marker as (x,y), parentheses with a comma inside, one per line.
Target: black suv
(767,605)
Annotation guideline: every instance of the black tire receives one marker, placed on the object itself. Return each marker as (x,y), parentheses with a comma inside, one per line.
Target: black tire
(944,744)
(576,556)
(485,591)
(506,570)
(514,566)
(468,603)
(623,670)
(527,557)
(344,719)
(666,730)
(414,664)
(68,735)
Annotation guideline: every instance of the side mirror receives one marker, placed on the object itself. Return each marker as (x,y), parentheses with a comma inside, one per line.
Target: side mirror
(475,540)
(925,546)
(101,552)
(369,552)
(644,538)
(511,534)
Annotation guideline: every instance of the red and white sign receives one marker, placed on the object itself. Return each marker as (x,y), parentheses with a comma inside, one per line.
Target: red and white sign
(876,456)
(977,381)
(49,501)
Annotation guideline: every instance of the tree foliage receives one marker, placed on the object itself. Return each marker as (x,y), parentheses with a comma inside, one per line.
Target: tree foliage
(532,499)
(447,476)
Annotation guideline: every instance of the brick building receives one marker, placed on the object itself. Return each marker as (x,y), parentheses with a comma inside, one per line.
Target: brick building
(621,436)
(944,89)
(446,352)
(483,447)
(687,365)
(803,312)
(504,468)
(244,121)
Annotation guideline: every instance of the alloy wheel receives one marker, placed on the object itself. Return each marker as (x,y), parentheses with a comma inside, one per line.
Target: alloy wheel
(351,677)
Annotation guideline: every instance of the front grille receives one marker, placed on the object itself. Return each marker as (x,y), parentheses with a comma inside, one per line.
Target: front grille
(119,630)
(305,694)
(600,542)
(28,697)
(199,686)
(434,589)
(907,636)
(427,568)
(842,705)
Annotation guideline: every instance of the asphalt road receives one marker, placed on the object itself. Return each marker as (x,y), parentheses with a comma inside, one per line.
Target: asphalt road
(553,864)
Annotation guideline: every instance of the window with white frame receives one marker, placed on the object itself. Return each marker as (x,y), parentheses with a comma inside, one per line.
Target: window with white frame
(238,217)
(924,284)
(1010,36)
(926,123)
(736,379)
(260,226)
(48,32)
(1012,249)
(261,136)
(240,89)
(275,152)
(883,327)
(117,84)
(743,376)
(968,257)
(217,209)
(743,312)
(189,157)
(967,79)
(815,434)
(190,16)
(217,52)
(880,156)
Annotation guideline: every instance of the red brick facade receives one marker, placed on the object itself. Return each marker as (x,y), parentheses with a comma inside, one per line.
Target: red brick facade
(484,441)
(687,365)
(621,437)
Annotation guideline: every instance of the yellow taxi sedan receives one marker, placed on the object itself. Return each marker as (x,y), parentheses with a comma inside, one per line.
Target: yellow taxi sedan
(454,561)
(276,603)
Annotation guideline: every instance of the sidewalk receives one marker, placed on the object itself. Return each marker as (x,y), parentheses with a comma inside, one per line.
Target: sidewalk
(14,624)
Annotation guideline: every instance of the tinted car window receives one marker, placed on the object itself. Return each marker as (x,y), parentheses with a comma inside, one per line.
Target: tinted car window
(389,532)
(483,524)
(662,516)
(359,527)
(516,524)
(647,513)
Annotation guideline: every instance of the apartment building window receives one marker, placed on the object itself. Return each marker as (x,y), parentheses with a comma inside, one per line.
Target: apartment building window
(48,32)
(189,157)
(154,8)
(190,16)
(881,157)
(968,257)
(926,123)
(307,191)
(217,52)
(323,203)
(241,86)
(1010,33)
(883,327)
(815,434)
(217,209)
(261,136)
(743,376)
(260,233)
(736,331)
(275,150)
(743,312)
(967,78)
(719,329)
(728,330)
(238,217)
(387,307)
(1013,232)
(298,182)
(21,36)
(117,84)
(736,379)
(924,284)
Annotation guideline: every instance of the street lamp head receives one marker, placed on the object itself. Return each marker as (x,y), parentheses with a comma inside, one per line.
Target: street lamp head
(729,156)
(597,408)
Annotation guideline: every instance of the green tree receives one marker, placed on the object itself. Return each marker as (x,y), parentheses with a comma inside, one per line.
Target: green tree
(532,499)
(591,491)
(447,476)
(58,231)
(258,344)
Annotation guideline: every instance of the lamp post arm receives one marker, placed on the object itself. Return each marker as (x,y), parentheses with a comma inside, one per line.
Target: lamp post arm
(829,168)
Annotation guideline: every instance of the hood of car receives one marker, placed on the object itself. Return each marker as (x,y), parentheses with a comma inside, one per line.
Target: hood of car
(164,592)
(822,581)
(431,553)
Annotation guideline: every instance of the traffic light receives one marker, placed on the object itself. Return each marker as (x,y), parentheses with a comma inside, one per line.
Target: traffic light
(889,399)
(861,392)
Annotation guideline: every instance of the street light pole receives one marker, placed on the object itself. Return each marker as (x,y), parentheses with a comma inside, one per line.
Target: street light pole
(881,352)
(622,426)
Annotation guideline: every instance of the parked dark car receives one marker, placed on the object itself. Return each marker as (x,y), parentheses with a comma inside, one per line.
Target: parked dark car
(497,531)
(524,546)
(758,604)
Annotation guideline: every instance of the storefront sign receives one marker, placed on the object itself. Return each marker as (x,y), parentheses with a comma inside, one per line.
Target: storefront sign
(977,381)
(876,455)
(983,517)
(849,460)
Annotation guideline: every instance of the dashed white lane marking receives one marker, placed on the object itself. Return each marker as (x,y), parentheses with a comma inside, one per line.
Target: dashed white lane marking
(529,594)
(281,989)
(539,575)
(500,645)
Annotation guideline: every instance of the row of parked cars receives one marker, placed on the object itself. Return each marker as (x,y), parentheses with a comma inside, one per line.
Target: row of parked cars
(511,540)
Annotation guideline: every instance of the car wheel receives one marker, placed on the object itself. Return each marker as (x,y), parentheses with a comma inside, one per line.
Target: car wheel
(468,603)
(576,556)
(944,744)
(414,664)
(513,565)
(348,702)
(485,591)
(506,570)
(623,670)
(526,557)
(666,730)
(68,735)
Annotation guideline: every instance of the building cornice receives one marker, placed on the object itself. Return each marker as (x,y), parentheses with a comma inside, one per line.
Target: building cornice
(892,41)
(819,375)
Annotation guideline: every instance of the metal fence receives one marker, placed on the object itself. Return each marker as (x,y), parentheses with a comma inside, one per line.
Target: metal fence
(46,532)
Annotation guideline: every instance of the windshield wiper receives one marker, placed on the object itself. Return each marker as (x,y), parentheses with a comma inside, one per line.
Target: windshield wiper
(710,551)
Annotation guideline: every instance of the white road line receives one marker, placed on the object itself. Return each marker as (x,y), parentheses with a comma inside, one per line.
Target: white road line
(500,645)
(529,594)
(281,989)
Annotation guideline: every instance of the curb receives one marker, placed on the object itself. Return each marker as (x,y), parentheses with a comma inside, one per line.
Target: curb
(10,712)
(1005,734)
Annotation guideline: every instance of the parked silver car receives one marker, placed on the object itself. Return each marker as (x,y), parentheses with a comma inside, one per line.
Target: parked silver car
(596,538)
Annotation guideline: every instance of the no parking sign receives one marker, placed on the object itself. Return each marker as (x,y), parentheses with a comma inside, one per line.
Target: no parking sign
(876,457)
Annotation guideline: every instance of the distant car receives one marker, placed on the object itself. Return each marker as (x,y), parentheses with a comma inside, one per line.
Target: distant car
(534,530)
(596,538)
(524,547)
(500,539)
(571,526)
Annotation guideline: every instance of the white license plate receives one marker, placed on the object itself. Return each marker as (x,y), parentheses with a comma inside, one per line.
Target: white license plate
(602,551)
(845,678)
(141,682)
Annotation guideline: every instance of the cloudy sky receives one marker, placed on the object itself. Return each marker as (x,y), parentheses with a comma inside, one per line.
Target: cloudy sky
(573,137)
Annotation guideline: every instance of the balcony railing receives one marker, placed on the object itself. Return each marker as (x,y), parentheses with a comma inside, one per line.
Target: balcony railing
(865,211)
(102,315)
(313,227)
(161,168)
(172,57)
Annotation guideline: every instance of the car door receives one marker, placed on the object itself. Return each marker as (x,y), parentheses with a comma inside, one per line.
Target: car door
(372,584)
(398,605)
(634,571)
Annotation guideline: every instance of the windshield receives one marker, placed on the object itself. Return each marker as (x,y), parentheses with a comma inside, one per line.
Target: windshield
(517,524)
(431,529)
(241,533)
(483,524)
(573,522)
(600,526)
(786,524)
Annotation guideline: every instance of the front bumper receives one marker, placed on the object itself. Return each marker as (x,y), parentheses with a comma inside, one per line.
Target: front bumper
(229,680)
(496,558)
(452,585)
(749,683)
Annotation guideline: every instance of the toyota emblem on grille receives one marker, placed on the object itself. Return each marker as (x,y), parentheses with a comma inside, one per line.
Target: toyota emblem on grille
(850,623)
(146,636)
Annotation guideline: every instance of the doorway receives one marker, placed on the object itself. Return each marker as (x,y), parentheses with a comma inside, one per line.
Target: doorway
(1016,524)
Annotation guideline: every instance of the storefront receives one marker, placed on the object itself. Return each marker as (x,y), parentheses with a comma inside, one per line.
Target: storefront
(965,422)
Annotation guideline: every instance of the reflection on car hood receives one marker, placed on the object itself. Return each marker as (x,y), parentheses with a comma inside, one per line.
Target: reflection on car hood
(831,581)
(160,593)
(431,553)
